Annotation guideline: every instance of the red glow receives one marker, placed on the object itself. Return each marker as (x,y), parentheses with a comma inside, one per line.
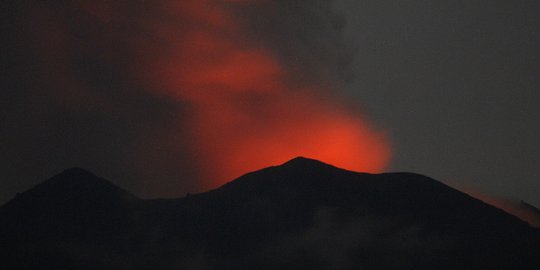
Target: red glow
(245,114)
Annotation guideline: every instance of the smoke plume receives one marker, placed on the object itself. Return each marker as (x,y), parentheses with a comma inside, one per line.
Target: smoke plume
(186,94)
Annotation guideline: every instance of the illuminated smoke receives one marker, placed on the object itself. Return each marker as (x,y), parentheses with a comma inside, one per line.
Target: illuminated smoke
(246,112)
(180,93)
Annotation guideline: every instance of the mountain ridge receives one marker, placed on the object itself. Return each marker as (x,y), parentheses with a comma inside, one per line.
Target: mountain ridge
(280,217)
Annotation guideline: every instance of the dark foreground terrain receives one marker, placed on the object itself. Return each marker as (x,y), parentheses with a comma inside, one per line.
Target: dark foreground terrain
(303,214)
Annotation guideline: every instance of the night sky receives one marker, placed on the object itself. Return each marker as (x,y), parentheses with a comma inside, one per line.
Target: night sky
(169,97)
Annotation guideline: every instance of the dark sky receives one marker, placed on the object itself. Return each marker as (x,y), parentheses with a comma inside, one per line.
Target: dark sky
(452,85)
(456,85)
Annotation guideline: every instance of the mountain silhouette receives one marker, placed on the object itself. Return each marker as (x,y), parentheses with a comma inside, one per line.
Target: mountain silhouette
(303,214)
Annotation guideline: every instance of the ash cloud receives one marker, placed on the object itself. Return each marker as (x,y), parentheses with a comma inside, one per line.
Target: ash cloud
(93,84)
(308,36)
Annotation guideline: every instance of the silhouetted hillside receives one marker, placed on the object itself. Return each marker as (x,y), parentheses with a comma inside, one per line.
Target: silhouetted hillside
(303,214)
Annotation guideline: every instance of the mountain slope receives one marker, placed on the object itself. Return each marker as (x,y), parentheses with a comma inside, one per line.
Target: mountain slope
(302,214)
(64,220)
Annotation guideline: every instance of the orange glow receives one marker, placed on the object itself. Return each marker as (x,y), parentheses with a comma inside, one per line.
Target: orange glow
(245,114)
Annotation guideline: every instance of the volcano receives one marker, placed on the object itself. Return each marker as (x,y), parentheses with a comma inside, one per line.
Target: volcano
(303,214)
